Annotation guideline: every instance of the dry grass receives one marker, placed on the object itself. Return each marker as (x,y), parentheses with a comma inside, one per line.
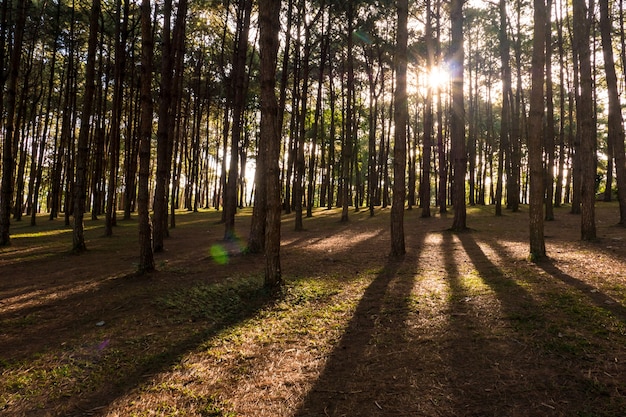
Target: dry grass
(464,325)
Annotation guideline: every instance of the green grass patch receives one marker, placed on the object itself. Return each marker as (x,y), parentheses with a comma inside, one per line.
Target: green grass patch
(219,302)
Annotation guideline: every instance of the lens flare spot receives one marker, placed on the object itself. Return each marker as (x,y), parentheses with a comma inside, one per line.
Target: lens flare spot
(219,254)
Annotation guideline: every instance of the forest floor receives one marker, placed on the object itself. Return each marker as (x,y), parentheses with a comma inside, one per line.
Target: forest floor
(464,325)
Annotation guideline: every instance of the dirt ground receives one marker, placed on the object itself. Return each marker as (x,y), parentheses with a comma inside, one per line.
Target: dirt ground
(464,325)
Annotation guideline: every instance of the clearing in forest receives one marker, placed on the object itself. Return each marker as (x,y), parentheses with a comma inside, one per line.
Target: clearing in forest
(464,325)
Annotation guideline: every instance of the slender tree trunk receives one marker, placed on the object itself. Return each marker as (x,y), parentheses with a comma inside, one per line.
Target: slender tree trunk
(317,131)
(4,7)
(131,151)
(457,115)
(239,69)
(518,115)
(163,138)
(331,149)
(414,161)
(442,191)
(558,192)
(298,183)
(269,26)
(535,148)
(507,94)
(8,162)
(98,139)
(372,177)
(550,131)
(428,118)
(146,257)
(347,149)
(121,23)
(574,134)
(256,239)
(585,120)
(616,124)
(177,115)
(80,191)
(400,114)
(44,135)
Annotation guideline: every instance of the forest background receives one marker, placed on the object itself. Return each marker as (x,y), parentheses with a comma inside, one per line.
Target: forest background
(148,116)
(425,104)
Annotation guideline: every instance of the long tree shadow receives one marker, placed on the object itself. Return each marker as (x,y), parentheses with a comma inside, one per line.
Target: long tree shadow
(109,355)
(137,338)
(491,374)
(538,364)
(598,298)
(371,368)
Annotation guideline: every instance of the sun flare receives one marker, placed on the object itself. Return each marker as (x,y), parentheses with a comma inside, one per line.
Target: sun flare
(438,77)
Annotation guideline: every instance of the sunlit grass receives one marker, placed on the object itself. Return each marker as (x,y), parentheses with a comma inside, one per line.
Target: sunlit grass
(50,233)
(254,352)
(294,329)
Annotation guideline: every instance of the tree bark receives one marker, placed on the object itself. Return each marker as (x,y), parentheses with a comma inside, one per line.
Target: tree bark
(457,116)
(239,72)
(121,28)
(535,137)
(8,162)
(146,256)
(550,131)
(298,183)
(585,121)
(80,187)
(428,118)
(347,149)
(616,125)
(400,119)
(163,131)
(269,27)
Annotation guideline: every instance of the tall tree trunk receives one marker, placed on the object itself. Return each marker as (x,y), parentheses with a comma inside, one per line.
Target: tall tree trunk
(298,183)
(347,149)
(535,137)
(8,162)
(98,138)
(330,170)
(131,150)
(507,96)
(146,257)
(457,115)
(82,157)
(616,124)
(574,134)
(256,239)
(585,120)
(400,117)
(239,72)
(372,177)
(317,122)
(46,127)
(176,112)
(269,27)
(428,117)
(4,8)
(558,191)
(442,191)
(121,29)
(163,130)
(550,131)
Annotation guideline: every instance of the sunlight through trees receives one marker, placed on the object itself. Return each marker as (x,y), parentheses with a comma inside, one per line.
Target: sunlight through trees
(467,138)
